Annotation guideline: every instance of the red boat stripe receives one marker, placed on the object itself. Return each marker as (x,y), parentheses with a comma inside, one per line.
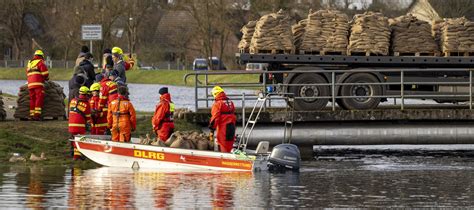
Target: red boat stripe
(169,157)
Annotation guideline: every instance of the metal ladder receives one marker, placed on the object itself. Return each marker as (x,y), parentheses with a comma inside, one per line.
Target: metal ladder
(249,126)
(256,110)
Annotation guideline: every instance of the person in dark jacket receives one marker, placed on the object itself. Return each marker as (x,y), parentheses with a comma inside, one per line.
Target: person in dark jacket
(119,65)
(88,68)
(80,57)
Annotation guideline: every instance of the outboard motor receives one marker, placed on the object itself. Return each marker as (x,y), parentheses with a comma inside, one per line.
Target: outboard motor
(284,157)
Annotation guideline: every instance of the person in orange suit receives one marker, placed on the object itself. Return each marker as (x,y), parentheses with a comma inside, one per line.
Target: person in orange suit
(37,74)
(79,116)
(162,120)
(121,117)
(223,120)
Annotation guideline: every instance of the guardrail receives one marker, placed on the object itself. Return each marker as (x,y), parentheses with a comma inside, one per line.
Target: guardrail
(332,83)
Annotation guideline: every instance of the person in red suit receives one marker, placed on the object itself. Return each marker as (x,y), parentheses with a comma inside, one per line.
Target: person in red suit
(223,120)
(37,74)
(79,116)
(98,118)
(162,120)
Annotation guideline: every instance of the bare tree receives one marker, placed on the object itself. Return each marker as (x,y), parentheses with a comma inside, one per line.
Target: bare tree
(453,8)
(12,20)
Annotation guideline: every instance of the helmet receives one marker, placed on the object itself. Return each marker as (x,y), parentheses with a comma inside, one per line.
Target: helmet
(84,90)
(95,87)
(39,52)
(117,50)
(216,90)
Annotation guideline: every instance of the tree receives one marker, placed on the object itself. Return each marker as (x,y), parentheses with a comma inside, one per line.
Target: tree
(12,21)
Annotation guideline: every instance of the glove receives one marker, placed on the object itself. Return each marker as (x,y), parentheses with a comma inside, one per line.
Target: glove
(88,127)
(211,136)
(133,129)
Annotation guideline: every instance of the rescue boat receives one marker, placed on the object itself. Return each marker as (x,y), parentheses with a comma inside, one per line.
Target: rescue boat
(102,150)
(120,154)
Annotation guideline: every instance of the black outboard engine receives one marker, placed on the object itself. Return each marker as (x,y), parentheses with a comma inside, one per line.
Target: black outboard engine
(284,157)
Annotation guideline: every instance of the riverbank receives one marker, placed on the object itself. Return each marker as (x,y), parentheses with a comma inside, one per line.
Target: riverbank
(165,77)
(51,137)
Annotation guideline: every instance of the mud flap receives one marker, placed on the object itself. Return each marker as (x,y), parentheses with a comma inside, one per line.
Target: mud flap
(229,132)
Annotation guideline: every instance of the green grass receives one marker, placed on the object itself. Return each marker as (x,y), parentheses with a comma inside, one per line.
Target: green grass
(51,137)
(166,77)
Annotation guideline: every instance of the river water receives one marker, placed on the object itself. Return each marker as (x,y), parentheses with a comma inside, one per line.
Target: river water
(365,182)
(145,96)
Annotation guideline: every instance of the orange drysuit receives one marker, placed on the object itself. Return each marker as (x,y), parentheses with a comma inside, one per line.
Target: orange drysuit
(98,118)
(37,74)
(121,119)
(162,120)
(223,121)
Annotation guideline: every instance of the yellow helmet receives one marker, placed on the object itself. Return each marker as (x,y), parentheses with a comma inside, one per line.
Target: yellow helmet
(84,90)
(39,52)
(95,87)
(216,90)
(117,50)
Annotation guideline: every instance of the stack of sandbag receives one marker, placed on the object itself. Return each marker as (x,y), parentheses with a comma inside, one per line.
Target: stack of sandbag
(247,32)
(326,30)
(457,35)
(53,106)
(298,32)
(436,27)
(410,35)
(370,33)
(272,32)
(3,113)
(182,140)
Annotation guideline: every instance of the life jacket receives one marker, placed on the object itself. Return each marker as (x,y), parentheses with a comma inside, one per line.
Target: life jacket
(36,73)
(108,93)
(79,114)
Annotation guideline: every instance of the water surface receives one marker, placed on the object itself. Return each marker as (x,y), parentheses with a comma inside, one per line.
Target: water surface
(366,182)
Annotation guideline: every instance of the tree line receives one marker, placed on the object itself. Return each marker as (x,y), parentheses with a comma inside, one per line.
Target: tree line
(198,27)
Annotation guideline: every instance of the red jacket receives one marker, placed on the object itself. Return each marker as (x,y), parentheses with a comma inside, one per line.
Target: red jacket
(79,114)
(163,112)
(223,121)
(108,93)
(36,72)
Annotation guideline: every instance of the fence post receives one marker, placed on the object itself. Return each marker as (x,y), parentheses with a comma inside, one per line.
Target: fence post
(196,92)
(243,110)
(402,95)
(333,78)
(207,89)
(470,88)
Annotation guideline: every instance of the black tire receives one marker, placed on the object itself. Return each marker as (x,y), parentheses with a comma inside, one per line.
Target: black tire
(361,90)
(309,91)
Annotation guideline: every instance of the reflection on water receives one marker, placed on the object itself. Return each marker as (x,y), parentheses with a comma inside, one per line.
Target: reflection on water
(367,182)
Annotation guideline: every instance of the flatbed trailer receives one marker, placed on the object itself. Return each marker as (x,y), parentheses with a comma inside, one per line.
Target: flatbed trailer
(362,82)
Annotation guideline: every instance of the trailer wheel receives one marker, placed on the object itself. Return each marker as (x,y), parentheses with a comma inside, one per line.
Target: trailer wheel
(361,90)
(309,91)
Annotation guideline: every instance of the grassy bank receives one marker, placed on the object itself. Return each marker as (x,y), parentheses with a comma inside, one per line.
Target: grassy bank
(166,77)
(51,137)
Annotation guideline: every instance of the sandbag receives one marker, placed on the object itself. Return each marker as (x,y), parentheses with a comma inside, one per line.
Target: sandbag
(53,107)
(455,35)
(370,33)
(411,35)
(272,32)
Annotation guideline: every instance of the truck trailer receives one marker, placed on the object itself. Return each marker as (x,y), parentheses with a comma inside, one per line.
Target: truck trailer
(362,82)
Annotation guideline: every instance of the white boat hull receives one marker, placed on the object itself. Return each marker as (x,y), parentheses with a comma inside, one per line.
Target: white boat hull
(117,154)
